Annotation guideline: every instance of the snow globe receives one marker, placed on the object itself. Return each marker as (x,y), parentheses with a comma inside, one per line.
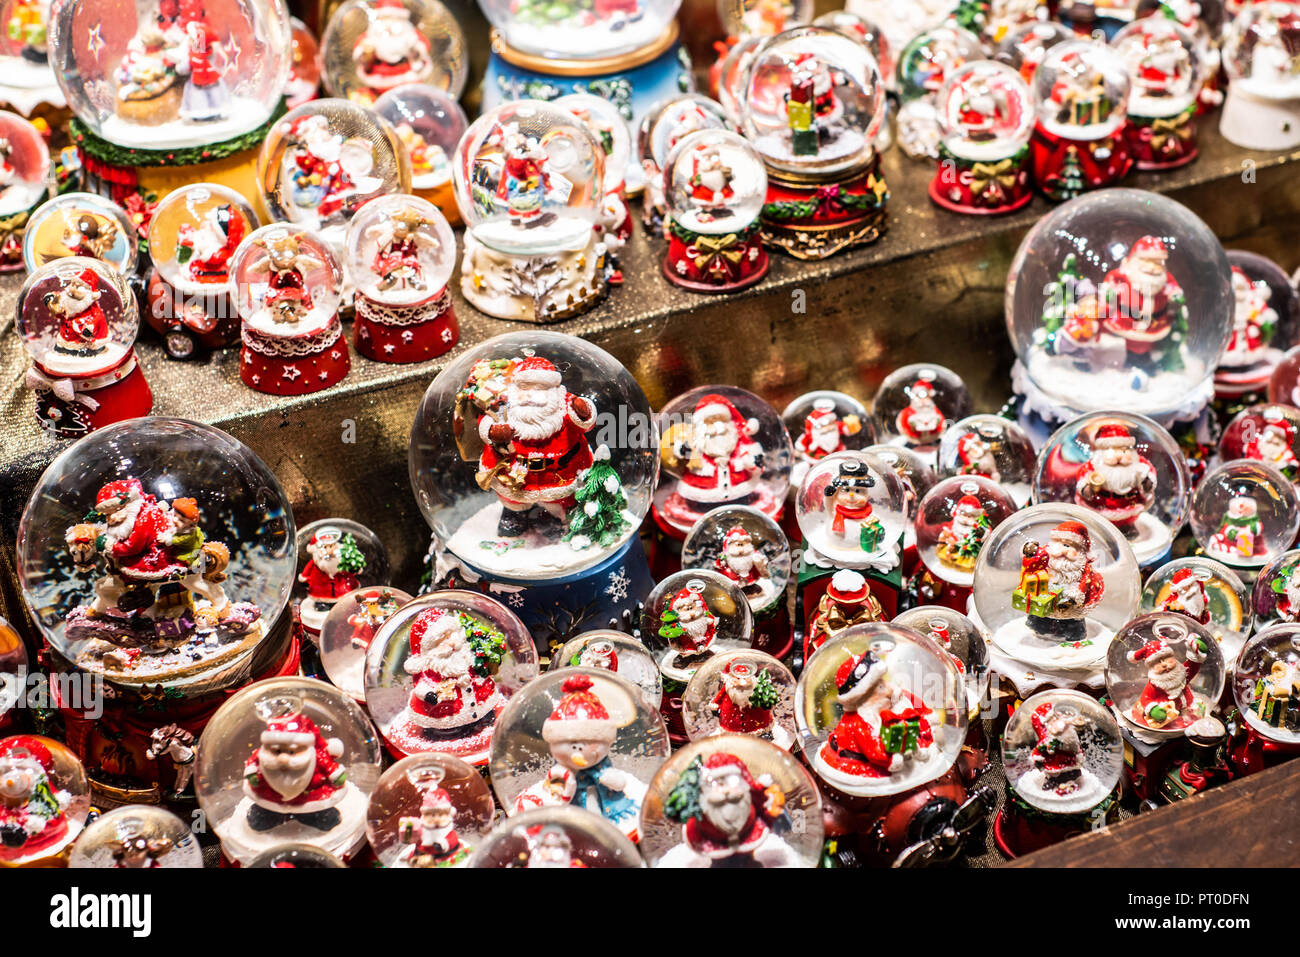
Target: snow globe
(851,509)
(923,68)
(428,123)
(986,116)
(1261,57)
(440,670)
(915,403)
(1024,48)
(81,224)
(1053,583)
(992,447)
(581,737)
(881,710)
(822,423)
(136,836)
(1081,90)
(78,320)
(865,32)
(1266,310)
(429,810)
(530,184)
(748,547)
(28,85)
(693,615)
(1128,470)
(324,160)
(288,286)
(25,181)
(335,556)
(1165,80)
(719,445)
(1210,594)
(193,234)
(900,22)
(1118,299)
(1276,595)
(958,635)
(172,93)
(714,188)
(1265,433)
(1284,381)
(994,20)
(400,256)
(1063,755)
(287,760)
(814,104)
(953,521)
(558,836)
(741,692)
(45,802)
(295,856)
(1163,673)
(606,124)
(762,18)
(1244,514)
(352,623)
(303,83)
(613,651)
(370,47)
(732,801)
(666,125)
(1266,687)
(530,490)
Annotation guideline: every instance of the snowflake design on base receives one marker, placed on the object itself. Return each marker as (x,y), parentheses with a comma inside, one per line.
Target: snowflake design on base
(618,586)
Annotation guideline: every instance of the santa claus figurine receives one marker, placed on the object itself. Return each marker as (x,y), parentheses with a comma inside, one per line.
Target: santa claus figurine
(294,774)
(975,453)
(1254,322)
(599,653)
(1285,587)
(1187,596)
(330,573)
(391,51)
(552,848)
(525,180)
(454,695)
(745,700)
(850,523)
(33,821)
(204,251)
(710,183)
(1143,304)
(374,607)
(1167,702)
(824,431)
(743,563)
(1058,586)
(729,818)
(721,462)
(689,625)
(847,601)
(1240,536)
(1273,442)
(432,837)
(328,168)
(83,327)
(1118,482)
(961,538)
(1057,754)
(922,422)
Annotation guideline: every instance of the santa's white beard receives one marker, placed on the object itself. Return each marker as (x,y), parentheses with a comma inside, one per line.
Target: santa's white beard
(739,693)
(697,627)
(1270,449)
(740,564)
(1066,739)
(327,561)
(208,241)
(17,785)
(963,526)
(324,145)
(1121,479)
(121,522)
(1191,600)
(1148,284)
(71,304)
(925,415)
(593,660)
(729,817)
(393,44)
(1171,683)
(448,661)
(550,857)
(288,775)
(1067,575)
(535,415)
(824,440)
(721,444)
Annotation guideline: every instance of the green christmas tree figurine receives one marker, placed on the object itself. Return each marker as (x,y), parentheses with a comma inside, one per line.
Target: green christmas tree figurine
(598,517)
(669,628)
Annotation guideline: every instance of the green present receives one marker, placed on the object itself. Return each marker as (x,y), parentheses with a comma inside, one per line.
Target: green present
(870,535)
(901,737)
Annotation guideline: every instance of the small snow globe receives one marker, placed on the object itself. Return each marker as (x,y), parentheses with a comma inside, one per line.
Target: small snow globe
(335,556)
(287,760)
(747,546)
(693,615)
(153,76)
(1261,57)
(556,837)
(671,121)
(14,668)
(1126,468)
(46,799)
(1244,514)
(953,521)
(732,801)
(477,427)
(1276,595)
(741,692)
(193,234)
(763,18)
(1165,77)
(1266,683)
(429,123)
(1208,592)
(1082,90)
(440,671)
(351,624)
(1025,47)
(720,445)
(613,651)
(992,447)
(304,65)
(913,471)
(1164,672)
(1266,308)
(914,405)
(814,103)
(1120,299)
(822,423)
(25,179)
(931,56)
(370,47)
(1265,433)
(958,635)
(81,224)
(169,510)
(865,32)
(77,317)
(881,710)
(579,31)
(429,810)
(400,252)
(1062,752)
(136,836)
(1284,381)
(851,510)
(581,737)
(1053,583)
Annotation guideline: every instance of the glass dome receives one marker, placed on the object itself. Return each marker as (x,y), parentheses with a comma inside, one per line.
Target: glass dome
(741,692)
(81,224)
(915,474)
(881,710)
(288,282)
(959,636)
(136,836)
(693,615)
(762,18)
(24,164)
(46,798)
(429,810)
(748,547)
(814,102)
(824,422)
(1053,584)
(569,729)
(579,30)
(612,133)
(930,56)
(613,651)
(733,74)
(1024,48)
(556,837)
(154,76)
(732,801)
(993,447)
(1265,433)
(304,65)
(953,521)
(851,510)
(1062,752)
(669,122)
(1209,593)
(1276,595)
(985,111)
(429,123)
(714,183)
(210,544)
(335,556)
(1164,672)
(287,760)
(193,234)
(1120,298)
(349,628)
(1261,50)
(77,317)
(865,32)
(1265,681)
(370,47)
(1082,90)
(1163,64)
(530,179)
(400,251)
(441,669)
(539,525)
(1245,513)
(1266,309)
(915,403)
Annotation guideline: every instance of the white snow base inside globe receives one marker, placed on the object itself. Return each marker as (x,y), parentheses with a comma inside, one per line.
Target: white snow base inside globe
(915,772)
(562,234)
(595,40)
(778,735)
(528,557)
(1149,538)
(1021,642)
(61,363)
(243,844)
(1090,386)
(1032,786)
(847,144)
(180,133)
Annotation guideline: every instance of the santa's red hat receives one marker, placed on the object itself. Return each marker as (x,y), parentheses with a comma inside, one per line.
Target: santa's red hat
(534,370)
(388,8)
(435,799)
(860,673)
(1153,651)
(1113,435)
(1039,718)
(848,587)
(713,406)
(119,492)
(971,443)
(939,631)
(88,277)
(736,534)
(971,502)
(691,593)
(430,627)
(1150,247)
(823,410)
(580,716)
(1184,575)
(921,387)
(721,764)
(1072,533)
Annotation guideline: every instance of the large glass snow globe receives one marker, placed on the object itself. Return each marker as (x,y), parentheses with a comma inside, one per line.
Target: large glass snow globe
(579,29)
(709,156)
(1082,90)
(1164,66)
(1062,752)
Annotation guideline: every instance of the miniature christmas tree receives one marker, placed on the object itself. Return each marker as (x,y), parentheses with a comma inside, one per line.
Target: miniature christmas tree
(1061,295)
(350,557)
(487,642)
(764,695)
(683,801)
(972,15)
(669,629)
(598,517)
(1069,183)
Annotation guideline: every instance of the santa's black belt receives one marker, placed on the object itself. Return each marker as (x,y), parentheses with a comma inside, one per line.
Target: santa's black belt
(846,753)
(538,463)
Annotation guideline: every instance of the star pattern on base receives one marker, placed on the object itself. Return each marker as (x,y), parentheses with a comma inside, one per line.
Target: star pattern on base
(290,372)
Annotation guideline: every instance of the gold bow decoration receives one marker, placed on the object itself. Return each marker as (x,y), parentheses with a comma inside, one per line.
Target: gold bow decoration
(983,175)
(1175,128)
(709,248)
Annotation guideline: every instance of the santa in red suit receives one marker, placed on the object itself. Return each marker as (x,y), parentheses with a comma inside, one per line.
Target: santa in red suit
(137,533)
(1057,753)
(722,460)
(449,695)
(710,183)
(1254,321)
(1061,575)
(922,422)
(742,562)
(1187,596)
(33,821)
(205,250)
(294,773)
(1167,701)
(975,454)
(432,837)
(699,625)
(1274,443)
(599,653)
(979,111)
(824,431)
(324,575)
(1117,482)
(206,97)
(392,50)
(83,327)
(733,703)
(1140,297)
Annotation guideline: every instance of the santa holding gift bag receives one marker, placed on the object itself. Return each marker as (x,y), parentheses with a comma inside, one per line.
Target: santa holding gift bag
(452,693)
(1187,596)
(83,327)
(824,431)
(432,837)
